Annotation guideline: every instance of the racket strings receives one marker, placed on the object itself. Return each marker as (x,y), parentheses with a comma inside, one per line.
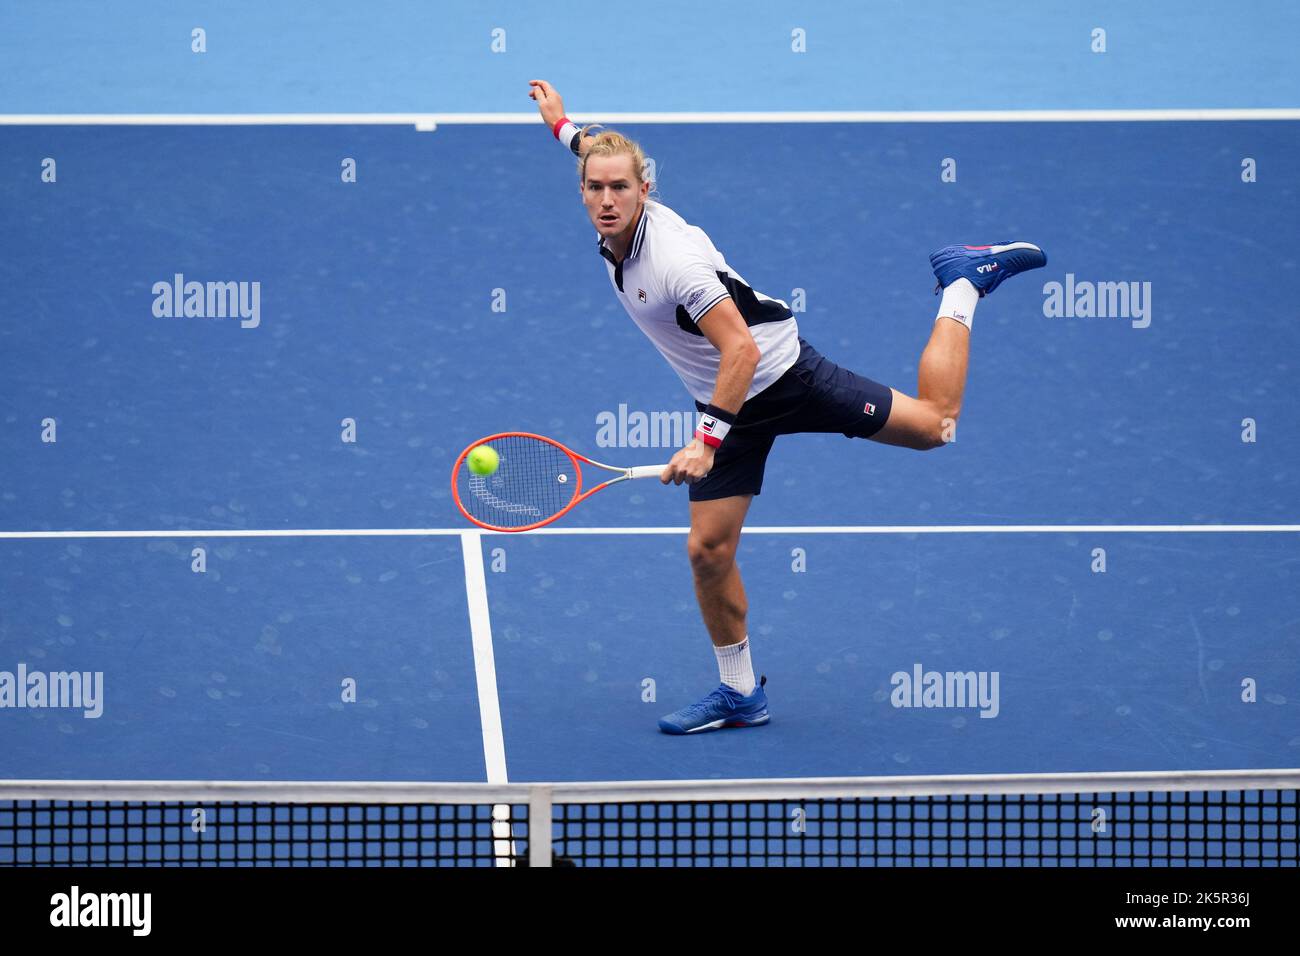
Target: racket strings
(534,481)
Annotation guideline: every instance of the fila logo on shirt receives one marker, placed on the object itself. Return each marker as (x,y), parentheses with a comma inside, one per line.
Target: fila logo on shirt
(869,409)
(640,294)
(990,267)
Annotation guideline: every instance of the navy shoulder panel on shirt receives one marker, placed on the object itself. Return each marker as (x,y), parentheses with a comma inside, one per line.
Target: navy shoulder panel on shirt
(752,309)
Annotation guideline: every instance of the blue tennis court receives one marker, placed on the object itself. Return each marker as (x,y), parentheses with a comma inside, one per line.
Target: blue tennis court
(377,307)
(237,528)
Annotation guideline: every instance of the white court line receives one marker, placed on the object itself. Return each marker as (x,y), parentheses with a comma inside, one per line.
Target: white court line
(758,529)
(430,121)
(489,703)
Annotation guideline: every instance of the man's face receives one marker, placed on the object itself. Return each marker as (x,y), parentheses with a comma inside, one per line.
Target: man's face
(612,194)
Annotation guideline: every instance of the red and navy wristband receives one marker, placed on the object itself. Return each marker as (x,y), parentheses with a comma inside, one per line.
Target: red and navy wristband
(568,134)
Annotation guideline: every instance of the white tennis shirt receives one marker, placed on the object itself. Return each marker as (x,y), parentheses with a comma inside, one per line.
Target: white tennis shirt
(672,275)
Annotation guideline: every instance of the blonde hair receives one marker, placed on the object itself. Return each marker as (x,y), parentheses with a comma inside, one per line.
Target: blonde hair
(613,143)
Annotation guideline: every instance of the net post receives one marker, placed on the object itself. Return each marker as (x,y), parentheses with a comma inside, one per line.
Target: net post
(539,825)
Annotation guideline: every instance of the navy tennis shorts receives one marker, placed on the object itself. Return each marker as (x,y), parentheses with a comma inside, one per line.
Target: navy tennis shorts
(814,395)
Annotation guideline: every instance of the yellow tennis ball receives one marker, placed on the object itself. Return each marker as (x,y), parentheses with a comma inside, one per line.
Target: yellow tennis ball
(484,460)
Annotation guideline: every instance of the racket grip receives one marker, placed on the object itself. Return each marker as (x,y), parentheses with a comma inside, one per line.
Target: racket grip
(646,471)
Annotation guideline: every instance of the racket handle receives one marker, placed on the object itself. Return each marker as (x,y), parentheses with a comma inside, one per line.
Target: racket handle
(646,471)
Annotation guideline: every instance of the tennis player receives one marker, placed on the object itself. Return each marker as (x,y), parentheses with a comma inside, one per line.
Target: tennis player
(753,377)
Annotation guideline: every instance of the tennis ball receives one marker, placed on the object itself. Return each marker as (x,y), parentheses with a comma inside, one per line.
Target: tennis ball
(484,460)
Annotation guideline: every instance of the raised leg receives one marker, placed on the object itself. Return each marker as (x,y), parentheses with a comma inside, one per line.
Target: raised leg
(929,419)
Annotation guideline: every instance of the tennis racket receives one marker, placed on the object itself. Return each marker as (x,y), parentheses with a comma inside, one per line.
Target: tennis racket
(537,481)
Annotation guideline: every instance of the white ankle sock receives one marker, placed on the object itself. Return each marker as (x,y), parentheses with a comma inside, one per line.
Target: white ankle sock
(735,667)
(958,302)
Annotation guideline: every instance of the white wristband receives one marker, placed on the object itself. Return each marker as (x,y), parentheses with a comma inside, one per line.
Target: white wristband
(568,135)
(711,430)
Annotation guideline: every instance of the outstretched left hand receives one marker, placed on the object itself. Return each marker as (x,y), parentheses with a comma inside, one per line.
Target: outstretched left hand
(689,465)
(548,101)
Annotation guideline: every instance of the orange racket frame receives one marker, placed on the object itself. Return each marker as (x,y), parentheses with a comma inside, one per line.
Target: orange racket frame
(579,496)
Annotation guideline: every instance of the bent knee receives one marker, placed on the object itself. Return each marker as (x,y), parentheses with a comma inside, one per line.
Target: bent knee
(921,424)
(931,441)
(940,431)
(710,555)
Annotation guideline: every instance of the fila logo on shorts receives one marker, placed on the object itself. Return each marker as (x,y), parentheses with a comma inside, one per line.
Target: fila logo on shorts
(640,294)
(869,409)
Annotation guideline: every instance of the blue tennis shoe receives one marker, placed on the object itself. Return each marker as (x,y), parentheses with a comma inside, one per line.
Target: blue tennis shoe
(725,707)
(987,267)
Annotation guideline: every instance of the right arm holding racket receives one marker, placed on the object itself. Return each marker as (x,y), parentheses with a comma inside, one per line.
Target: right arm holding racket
(537,480)
(724,327)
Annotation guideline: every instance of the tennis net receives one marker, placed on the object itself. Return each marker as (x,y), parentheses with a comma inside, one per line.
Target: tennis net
(1192,819)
